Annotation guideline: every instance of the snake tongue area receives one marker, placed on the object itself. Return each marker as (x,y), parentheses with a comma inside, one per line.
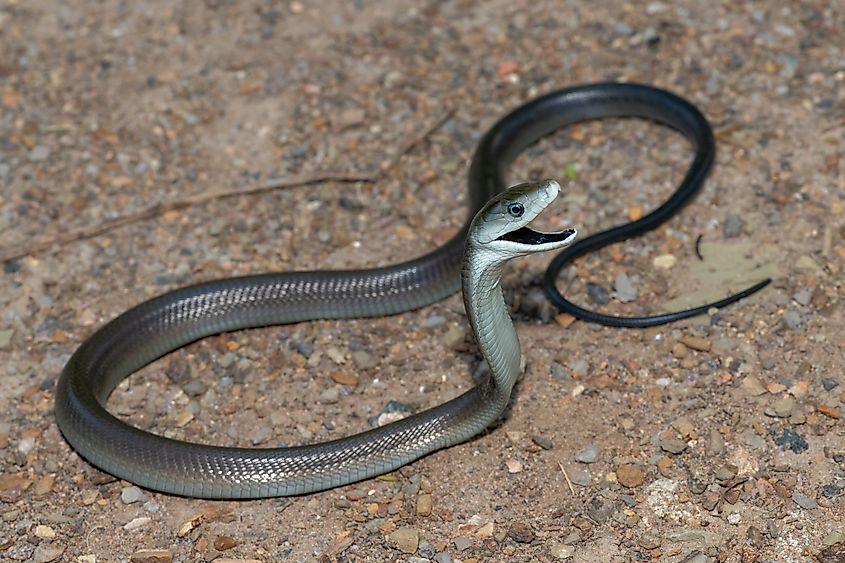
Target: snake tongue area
(524,235)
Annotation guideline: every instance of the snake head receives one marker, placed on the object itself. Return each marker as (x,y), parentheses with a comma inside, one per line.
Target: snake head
(502,224)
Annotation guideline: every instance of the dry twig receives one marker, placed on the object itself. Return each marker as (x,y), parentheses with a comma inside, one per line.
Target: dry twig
(568,482)
(86,232)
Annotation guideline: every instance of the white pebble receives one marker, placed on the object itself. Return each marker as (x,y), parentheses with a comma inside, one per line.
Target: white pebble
(42,531)
(664,262)
(25,445)
(137,523)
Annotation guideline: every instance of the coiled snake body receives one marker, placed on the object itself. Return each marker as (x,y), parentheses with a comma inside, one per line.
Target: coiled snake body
(498,233)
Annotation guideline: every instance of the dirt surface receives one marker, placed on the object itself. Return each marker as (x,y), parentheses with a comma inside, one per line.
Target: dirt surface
(718,439)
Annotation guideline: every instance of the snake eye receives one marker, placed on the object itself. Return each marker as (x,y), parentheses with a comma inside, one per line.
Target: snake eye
(516,209)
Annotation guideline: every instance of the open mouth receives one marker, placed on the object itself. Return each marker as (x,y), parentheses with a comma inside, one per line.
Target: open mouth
(524,235)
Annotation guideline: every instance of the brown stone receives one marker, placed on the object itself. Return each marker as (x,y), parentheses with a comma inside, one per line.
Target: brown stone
(152,556)
(630,475)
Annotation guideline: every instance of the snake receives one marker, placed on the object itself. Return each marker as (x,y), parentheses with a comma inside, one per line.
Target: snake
(495,232)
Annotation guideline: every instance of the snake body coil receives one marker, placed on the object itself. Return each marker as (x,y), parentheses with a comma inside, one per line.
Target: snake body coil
(172,320)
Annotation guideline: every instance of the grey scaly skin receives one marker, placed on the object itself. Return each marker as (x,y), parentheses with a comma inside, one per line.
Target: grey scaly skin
(497,234)
(174,319)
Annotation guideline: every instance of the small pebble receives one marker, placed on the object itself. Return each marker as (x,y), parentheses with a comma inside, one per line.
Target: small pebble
(47,553)
(152,556)
(344,378)
(183,418)
(561,551)
(834,537)
(195,388)
(600,510)
(726,472)
(803,296)
(715,443)
(543,442)
(830,490)
(45,532)
(696,343)
(782,408)
(462,543)
(772,528)
(684,427)
(792,440)
(364,360)
(734,518)
(804,501)
(442,557)
(590,454)
(753,386)
(453,336)
(732,227)
(521,532)
(396,407)
(580,367)
(19,551)
(137,523)
(45,484)
(435,321)
(386,418)
(424,505)
(534,304)
(630,475)
(26,445)
(131,495)
(753,441)
(405,539)
(792,320)
(330,396)
(426,549)
(514,466)
(598,294)
(558,372)
(829,384)
(673,445)
(629,501)
(580,476)
(664,262)
(303,347)
(624,287)
(260,434)
(222,543)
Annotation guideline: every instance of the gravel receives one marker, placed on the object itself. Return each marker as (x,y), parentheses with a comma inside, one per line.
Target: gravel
(624,288)
(732,226)
(130,495)
(589,454)
(232,95)
(598,294)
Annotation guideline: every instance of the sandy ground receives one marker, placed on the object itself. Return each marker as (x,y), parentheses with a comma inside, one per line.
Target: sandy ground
(718,439)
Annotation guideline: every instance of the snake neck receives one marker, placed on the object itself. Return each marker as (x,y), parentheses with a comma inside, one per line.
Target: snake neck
(491,324)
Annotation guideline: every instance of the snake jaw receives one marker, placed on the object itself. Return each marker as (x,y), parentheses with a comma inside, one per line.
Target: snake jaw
(524,235)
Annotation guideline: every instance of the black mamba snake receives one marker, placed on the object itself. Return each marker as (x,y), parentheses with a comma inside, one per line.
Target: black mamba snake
(498,233)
